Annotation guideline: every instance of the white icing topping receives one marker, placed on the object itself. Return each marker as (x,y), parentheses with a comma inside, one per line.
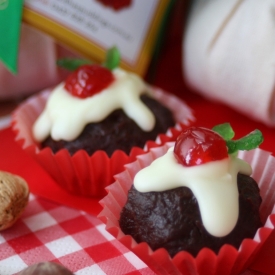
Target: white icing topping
(65,116)
(214,185)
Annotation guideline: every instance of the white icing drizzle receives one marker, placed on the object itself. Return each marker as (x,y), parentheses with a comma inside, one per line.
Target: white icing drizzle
(214,185)
(65,116)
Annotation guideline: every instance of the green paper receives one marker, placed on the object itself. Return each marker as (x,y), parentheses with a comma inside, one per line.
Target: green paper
(10,24)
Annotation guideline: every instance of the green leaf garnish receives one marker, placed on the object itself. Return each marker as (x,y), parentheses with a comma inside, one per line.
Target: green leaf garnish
(225,130)
(112,58)
(71,64)
(112,61)
(248,142)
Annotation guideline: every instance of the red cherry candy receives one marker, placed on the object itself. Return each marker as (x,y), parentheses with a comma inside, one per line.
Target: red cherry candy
(197,145)
(88,80)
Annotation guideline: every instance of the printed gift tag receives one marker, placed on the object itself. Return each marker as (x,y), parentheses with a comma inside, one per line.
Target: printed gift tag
(92,26)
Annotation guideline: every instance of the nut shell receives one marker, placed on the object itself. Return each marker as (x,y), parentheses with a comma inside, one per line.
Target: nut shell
(46,268)
(14,195)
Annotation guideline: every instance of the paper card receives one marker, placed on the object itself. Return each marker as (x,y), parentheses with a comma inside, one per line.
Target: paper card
(92,26)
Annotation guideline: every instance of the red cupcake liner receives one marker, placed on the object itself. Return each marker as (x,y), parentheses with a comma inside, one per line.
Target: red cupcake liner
(229,260)
(82,174)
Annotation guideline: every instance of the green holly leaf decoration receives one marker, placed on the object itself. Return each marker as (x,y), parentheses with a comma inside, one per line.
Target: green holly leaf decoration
(112,61)
(71,64)
(246,143)
(112,58)
(225,130)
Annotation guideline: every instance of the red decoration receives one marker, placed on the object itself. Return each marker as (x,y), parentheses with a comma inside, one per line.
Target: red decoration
(88,80)
(197,145)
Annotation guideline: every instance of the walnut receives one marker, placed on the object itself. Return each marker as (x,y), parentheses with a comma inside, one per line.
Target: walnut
(14,195)
(46,268)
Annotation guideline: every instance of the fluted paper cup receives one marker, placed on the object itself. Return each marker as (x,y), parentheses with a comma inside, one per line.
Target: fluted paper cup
(229,260)
(81,174)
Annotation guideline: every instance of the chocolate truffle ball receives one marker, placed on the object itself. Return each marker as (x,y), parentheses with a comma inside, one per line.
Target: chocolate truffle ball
(171,219)
(116,132)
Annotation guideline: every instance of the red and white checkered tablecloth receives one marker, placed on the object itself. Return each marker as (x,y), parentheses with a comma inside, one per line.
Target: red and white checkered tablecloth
(51,232)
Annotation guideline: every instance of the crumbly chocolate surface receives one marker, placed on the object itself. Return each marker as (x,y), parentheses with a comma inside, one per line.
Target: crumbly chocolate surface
(117,131)
(171,219)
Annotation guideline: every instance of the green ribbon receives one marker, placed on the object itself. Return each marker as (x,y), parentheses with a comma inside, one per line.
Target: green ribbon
(10,25)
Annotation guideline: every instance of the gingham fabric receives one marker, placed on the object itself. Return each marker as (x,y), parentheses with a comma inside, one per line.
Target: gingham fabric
(51,232)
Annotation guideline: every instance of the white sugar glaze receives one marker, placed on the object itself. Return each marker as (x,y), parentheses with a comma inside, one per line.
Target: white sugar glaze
(214,185)
(65,116)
